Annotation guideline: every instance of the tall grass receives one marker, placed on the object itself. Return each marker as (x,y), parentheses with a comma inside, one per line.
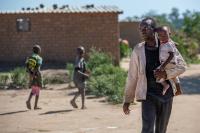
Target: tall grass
(19,77)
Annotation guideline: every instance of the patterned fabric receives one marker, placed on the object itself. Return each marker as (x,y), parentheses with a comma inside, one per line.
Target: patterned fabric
(164,52)
(36,77)
(35,90)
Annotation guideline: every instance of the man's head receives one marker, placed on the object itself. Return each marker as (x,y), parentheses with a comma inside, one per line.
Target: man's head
(147,27)
(36,49)
(163,33)
(81,51)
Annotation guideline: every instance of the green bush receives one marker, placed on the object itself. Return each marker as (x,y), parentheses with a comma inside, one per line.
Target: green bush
(104,70)
(55,80)
(107,80)
(70,69)
(19,77)
(45,82)
(119,80)
(97,58)
(4,79)
(188,47)
(125,51)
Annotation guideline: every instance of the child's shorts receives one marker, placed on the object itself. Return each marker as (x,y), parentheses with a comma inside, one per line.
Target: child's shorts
(80,85)
(35,90)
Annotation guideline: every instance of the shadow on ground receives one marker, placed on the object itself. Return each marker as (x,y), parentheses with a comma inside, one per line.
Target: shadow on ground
(57,111)
(14,112)
(191,84)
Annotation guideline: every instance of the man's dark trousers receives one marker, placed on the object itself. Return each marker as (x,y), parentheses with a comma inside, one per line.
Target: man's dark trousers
(155,113)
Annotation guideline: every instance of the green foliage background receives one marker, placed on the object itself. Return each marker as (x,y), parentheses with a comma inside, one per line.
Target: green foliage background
(185,29)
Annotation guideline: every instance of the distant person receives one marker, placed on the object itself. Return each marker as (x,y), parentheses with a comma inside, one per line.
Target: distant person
(79,77)
(168,58)
(33,64)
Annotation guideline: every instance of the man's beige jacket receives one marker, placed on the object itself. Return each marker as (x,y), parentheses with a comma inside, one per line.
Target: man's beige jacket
(136,85)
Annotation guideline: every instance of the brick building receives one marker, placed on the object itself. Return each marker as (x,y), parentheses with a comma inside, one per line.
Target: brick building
(59,32)
(130,31)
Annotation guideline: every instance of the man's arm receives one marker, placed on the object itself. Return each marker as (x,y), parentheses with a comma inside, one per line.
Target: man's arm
(179,68)
(129,93)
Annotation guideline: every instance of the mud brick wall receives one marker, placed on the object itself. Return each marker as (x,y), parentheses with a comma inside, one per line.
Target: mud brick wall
(58,34)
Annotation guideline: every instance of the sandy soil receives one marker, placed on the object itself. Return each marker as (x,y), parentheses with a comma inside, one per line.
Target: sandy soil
(57,116)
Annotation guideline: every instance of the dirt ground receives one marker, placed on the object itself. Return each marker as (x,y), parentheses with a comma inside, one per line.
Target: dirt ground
(57,116)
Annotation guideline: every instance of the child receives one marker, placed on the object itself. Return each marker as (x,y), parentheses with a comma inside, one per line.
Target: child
(33,64)
(79,77)
(168,57)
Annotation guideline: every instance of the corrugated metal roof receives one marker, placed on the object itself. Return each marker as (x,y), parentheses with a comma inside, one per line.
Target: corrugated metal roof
(71,9)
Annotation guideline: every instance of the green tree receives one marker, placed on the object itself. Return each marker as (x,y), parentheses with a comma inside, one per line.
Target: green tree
(41,6)
(191,25)
(55,6)
(175,19)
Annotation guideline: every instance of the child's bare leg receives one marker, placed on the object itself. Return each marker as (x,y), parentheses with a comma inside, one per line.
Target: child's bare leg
(178,86)
(30,80)
(28,102)
(165,87)
(73,101)
(83,98)
(178,89)
(36,102)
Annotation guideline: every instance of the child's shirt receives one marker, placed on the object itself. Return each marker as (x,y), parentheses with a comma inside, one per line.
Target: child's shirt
(165,48)
(39,60)
(80,65)
(37,79)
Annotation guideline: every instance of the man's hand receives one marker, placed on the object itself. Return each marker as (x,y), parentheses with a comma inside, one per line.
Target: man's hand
(126,108)
(160,74)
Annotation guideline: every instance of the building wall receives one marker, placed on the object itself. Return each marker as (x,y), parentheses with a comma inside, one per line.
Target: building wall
(58,34)
(130,32)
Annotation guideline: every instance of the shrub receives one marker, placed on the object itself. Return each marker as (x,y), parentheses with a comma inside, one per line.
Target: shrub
(4,79)
(188,47)
(55,80)
(109,83)
(19,77)
(70,69)
(97,58)
(45,82)
(107,79)
(125,51)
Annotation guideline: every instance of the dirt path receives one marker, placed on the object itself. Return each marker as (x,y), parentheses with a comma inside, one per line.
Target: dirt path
(57,116)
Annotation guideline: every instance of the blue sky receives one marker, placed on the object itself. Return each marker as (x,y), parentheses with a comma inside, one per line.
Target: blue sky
(130,7)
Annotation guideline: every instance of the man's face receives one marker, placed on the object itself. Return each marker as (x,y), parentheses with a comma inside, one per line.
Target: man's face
(146,31)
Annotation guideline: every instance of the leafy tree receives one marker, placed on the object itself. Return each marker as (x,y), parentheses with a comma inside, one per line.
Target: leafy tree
(41,6)
(191,25)
(55,6)
(185,29)
(175,19)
